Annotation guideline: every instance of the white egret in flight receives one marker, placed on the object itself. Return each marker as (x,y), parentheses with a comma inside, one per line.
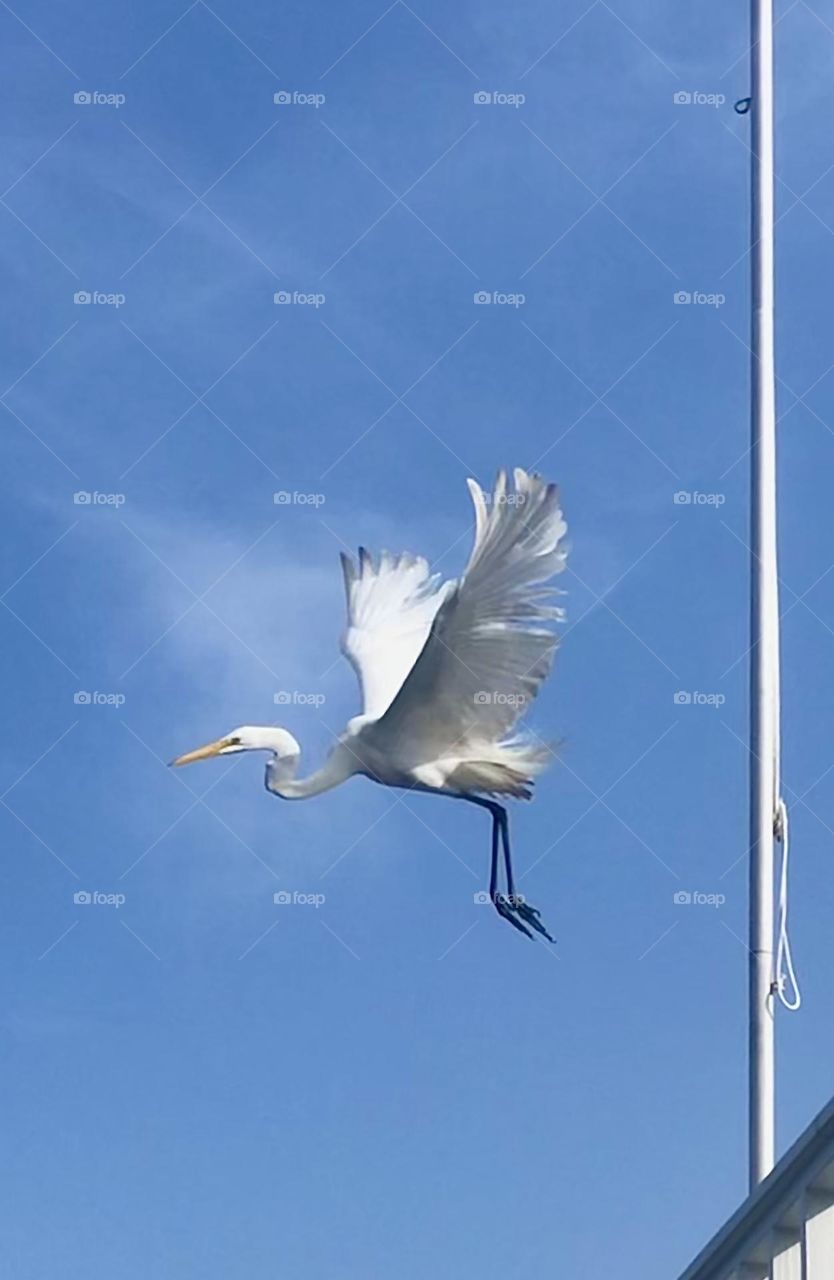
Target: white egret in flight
(445,671)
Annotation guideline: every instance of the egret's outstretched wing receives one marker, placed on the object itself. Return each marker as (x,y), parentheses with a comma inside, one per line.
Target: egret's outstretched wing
(390,608)
(488,650)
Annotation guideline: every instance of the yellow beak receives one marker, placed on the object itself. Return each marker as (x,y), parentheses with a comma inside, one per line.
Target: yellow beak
(202,753)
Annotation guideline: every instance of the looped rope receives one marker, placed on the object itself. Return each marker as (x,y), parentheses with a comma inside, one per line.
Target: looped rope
(784,971)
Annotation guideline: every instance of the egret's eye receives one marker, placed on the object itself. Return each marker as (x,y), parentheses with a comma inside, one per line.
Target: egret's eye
(233,742)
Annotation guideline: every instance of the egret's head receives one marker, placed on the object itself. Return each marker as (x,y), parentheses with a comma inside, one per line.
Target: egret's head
(248,737)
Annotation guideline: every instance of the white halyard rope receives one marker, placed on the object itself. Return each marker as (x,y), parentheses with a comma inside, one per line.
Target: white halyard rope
(784,973)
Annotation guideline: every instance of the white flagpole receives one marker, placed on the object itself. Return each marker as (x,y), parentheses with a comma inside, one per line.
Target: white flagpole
(764,675)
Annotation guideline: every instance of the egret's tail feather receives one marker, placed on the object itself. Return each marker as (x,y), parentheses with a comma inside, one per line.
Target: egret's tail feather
(503,769)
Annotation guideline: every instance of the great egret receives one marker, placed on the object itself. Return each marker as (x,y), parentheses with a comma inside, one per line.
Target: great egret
(445,671)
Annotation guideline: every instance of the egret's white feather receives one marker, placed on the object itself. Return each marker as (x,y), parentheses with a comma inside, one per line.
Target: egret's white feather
(391,605)
(489,648)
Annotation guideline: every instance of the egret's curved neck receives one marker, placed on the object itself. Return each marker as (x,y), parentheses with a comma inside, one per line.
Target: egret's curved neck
(281,771)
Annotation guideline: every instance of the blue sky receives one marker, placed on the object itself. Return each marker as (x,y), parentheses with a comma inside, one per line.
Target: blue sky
(198,1081)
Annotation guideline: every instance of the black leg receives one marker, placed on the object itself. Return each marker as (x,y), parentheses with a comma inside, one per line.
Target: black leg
(501,902)
(526,913)
(504,823)
(510,905)
(493,871)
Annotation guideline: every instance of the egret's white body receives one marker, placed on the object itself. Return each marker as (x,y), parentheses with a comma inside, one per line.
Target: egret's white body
(446,669)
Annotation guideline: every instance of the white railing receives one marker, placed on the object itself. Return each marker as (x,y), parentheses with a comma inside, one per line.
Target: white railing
(785,1229)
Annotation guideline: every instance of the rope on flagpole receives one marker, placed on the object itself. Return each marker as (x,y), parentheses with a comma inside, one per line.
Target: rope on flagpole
(784,972)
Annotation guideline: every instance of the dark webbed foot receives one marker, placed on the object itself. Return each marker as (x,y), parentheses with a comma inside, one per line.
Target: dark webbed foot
(531,916)
(506,910)
(520,914)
